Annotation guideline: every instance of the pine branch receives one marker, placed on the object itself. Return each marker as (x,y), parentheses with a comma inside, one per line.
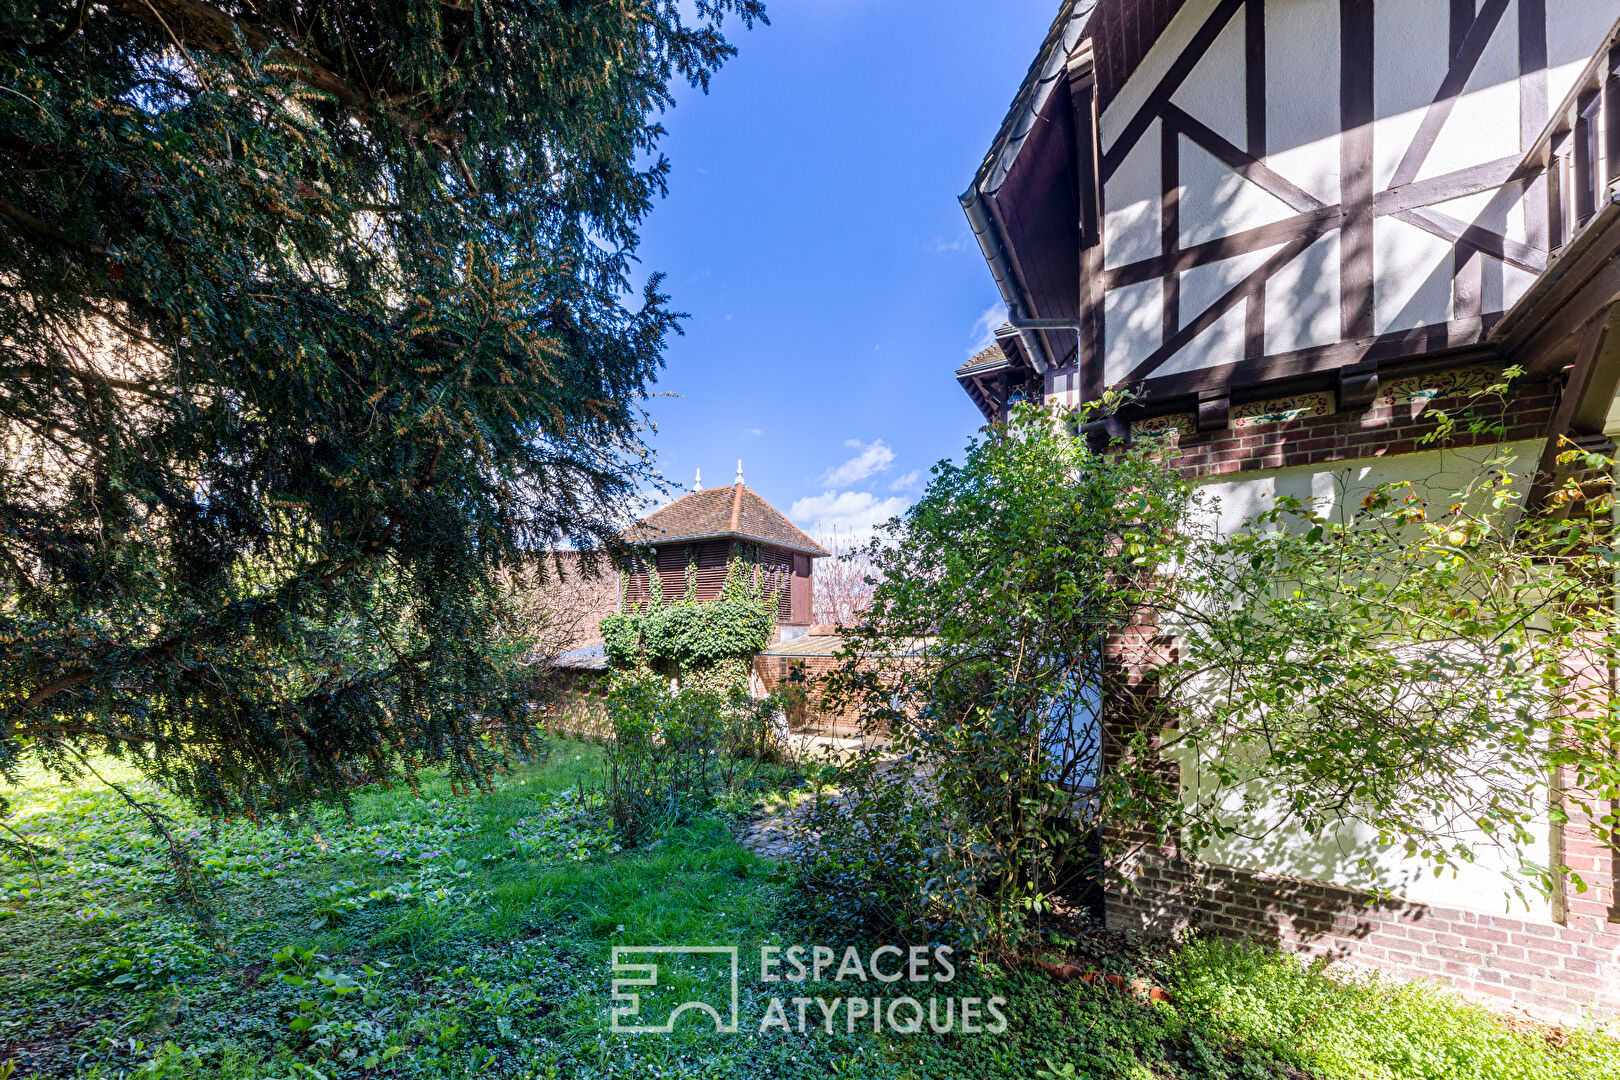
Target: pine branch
(49,232)
(68,32)
(200,26)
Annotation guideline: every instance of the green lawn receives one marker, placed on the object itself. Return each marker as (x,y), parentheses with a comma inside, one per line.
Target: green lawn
(429,936)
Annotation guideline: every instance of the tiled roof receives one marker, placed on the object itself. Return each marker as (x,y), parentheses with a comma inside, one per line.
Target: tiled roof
(807,646)
(589,658)
(733,511)
(991,357)
(1121,32)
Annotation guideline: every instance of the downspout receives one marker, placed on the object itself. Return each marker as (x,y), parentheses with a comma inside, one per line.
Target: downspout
(984,230)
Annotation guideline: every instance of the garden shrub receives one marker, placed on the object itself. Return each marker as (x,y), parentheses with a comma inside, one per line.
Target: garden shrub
(981,658)
(1365,659)
(874,861)
(658,760)
(751,728)
(672,752)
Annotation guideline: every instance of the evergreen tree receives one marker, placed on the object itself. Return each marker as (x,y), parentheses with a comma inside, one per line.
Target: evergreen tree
(314,319)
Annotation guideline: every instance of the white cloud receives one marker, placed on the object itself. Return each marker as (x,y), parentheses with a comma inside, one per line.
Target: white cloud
(940,245)
(752,432)
(984,328)
(907,482)
(874,457)
(854,514)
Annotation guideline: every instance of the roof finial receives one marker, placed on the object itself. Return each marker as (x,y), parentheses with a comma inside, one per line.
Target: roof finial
(739,470)
(697,485)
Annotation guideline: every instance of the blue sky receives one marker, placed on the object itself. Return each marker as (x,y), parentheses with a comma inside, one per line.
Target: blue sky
(813,233)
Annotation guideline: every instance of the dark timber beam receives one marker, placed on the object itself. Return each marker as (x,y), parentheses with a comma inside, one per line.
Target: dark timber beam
(1225,247)
(1238,293)
(1472,47)
(1160,96)
(1515,254)
(1180,122)
(1356,111)
(1486,176)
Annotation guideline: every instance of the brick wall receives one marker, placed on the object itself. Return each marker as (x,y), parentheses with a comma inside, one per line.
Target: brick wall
(1385,429)
(807,675)
(566,594)
(1551,970)
(573,703)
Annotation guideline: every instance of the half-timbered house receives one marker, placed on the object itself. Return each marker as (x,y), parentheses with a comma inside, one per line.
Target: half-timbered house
(1287,227)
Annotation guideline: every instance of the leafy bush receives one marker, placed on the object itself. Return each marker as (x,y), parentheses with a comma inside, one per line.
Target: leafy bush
(703,634)
(708,645)
(621,639)
(981,655)
(872,862)
(1331,662)
(673,752)
(661,760)
(751,732)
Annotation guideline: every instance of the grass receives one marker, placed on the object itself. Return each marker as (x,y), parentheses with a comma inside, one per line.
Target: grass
(428,936)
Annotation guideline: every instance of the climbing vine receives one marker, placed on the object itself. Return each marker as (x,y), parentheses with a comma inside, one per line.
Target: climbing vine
(706,645)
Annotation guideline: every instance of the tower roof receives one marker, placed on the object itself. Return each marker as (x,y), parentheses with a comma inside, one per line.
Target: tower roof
(733,512)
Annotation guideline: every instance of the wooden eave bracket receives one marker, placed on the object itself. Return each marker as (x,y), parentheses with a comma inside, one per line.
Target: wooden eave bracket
(1102,433)
(1214,409)
(1358,385)
(1582,409)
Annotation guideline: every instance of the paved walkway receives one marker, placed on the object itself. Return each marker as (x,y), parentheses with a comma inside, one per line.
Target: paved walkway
(774,831)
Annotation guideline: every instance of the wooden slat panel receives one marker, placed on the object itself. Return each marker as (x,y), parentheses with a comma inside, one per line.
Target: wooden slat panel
(774,567)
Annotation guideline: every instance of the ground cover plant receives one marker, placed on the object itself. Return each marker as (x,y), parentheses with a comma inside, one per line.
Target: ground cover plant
(432,935)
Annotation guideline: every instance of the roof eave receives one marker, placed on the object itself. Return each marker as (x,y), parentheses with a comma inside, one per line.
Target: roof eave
(985,367)
(1066,32)
(812,549)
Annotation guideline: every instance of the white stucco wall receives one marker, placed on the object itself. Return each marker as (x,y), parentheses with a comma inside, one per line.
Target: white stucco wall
(1412,267)
(1331,856)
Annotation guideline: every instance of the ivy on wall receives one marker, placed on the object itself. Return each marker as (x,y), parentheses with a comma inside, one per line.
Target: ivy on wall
(705,645)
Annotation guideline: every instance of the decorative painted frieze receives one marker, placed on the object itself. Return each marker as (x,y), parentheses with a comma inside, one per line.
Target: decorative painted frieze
(1179,425)
(1281,410)
(1417,391)
(1252,414)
